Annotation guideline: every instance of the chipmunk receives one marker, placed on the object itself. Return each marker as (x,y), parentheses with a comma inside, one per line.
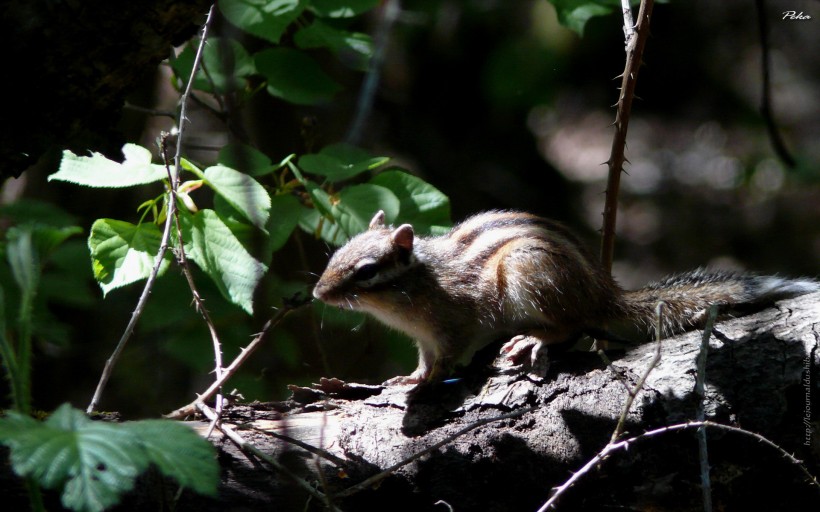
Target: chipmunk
(516,276)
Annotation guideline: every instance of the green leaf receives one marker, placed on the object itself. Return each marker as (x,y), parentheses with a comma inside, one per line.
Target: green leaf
(210,243)
(95,462)
(421,204)
(253,240)
(293,76)
(351,211)
(574,14)
(267,19)
(340,162)
(246,159)
(225,61)
(345,9)
(353,48)
(23,259)
(242,192)
(122,253)
(178,452)
(285,213)
(98,171)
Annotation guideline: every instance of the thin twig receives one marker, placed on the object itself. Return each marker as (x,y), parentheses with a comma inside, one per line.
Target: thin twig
(129,329)
(166,233)
(236,363)
(380,476)
(633,393)
(624,445)
(778,144)
(183,100)
(634,54)
(337,461)
(247,447)
(700,391)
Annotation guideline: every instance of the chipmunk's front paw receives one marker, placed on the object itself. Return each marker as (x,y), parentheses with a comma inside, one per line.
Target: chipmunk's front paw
(403,380)
(528,352)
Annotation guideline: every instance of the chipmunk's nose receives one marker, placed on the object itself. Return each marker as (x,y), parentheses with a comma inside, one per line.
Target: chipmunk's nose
(318,291)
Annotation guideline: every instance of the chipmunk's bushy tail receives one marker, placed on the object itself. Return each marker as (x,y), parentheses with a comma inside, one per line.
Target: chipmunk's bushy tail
(688,296)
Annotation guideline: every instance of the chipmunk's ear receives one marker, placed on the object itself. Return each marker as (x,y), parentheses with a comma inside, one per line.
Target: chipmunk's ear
(403,236)
(377,221)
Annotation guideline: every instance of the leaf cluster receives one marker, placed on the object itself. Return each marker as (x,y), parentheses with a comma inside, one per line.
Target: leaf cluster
(94,462)
(221,239)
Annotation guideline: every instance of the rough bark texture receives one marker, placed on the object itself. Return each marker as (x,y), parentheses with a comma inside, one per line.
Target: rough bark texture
(760,372)
(69,65)
(762,375)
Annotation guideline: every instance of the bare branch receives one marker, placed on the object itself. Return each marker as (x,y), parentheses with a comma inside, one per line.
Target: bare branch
(624,445)
(166,233)
(236,363)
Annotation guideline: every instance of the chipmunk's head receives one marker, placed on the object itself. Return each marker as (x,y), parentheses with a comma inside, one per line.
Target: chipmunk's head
(367,266)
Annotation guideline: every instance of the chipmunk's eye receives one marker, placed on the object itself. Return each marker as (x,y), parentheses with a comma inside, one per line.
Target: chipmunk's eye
(366,271)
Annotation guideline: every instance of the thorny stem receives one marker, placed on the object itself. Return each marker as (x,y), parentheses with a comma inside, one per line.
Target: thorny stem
(166,233)
(182,258)
(634,54)
(624,445)
(236,363)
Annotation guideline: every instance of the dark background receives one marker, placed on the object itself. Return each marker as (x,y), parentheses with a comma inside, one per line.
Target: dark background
(498,106)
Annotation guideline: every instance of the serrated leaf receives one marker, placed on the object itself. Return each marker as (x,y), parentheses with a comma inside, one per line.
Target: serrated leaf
(246,159)
(353,48)
(345,9)
(267,19)
(293,76)
(178,452)
(421,204)
(242,192)
(351,210)
(122,253)
(340,162)
(253,240)
(95,462)
(98,171)
(216,250)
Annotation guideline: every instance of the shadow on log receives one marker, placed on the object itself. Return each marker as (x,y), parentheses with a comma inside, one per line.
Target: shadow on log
(761,375)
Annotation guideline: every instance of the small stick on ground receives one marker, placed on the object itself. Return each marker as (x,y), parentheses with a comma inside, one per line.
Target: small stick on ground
(244,353)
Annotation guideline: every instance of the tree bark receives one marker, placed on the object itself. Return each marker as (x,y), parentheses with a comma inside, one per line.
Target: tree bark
(761,375)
